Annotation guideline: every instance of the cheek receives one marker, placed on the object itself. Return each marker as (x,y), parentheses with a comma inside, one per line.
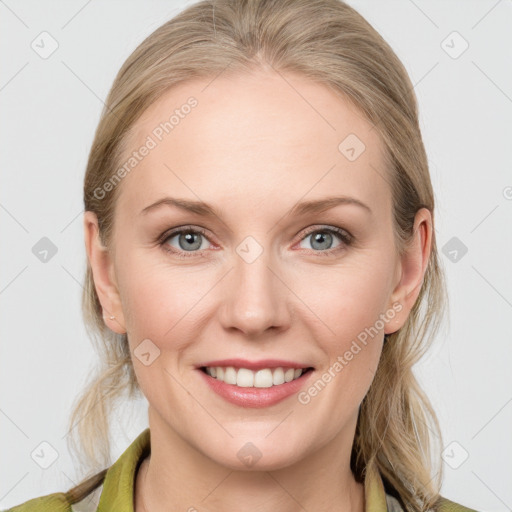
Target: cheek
(347,299)
(165,304)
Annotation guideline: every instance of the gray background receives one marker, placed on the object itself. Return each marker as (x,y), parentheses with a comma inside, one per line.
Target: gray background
(49,111)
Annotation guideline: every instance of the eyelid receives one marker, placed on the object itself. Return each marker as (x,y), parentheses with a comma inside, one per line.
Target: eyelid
(345,236)
(343,233)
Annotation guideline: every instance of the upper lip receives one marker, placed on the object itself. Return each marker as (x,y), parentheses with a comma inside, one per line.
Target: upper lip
(255,365)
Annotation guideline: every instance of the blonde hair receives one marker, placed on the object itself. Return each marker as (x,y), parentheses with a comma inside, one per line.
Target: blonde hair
(329,42)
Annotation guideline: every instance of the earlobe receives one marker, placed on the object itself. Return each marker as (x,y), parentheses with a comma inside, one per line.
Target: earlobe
(412,267)
(102,269)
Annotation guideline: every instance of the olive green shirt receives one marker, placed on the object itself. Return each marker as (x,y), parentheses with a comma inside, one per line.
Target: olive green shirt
(116,493)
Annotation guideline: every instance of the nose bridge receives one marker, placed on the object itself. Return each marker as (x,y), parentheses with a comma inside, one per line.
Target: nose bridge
(254,298)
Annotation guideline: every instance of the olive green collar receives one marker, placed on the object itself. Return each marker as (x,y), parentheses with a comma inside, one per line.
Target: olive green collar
(118,487)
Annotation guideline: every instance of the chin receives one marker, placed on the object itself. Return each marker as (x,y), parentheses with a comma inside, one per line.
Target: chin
(258,455)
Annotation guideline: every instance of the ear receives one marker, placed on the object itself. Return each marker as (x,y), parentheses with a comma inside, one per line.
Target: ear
(411,269)
(103,274)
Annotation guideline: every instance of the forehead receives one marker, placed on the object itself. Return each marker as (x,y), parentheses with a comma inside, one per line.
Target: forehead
(254,138)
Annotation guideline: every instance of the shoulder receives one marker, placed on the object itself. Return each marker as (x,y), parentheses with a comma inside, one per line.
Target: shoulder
(56,502)
(112,487)
(446,505)
(62,502)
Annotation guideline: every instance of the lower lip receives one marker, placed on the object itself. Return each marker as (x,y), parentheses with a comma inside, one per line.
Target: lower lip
(255,397)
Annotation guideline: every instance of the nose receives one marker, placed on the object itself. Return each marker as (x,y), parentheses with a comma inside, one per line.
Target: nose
(254,297)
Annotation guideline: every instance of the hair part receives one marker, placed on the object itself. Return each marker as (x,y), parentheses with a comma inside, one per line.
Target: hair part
(330,43)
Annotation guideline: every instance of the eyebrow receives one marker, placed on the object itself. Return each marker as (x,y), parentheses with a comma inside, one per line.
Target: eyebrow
(306,207)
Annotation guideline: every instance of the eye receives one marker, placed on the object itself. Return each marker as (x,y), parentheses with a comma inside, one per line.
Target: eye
(322,239)
(189,241)
(186,240)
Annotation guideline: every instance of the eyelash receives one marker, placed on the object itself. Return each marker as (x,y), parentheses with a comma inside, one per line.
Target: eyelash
(346,238)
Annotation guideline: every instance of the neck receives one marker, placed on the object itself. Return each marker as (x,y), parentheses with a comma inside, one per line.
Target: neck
(177,474)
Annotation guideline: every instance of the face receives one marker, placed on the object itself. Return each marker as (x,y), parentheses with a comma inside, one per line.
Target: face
(262,278)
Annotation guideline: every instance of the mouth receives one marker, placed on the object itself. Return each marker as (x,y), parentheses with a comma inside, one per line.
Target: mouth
(263,378)
(265,384)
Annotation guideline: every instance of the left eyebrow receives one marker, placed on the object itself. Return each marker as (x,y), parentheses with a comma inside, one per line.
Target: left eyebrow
(321,205)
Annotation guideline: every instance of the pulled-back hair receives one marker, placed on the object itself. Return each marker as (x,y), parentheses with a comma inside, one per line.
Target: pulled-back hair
(329,42)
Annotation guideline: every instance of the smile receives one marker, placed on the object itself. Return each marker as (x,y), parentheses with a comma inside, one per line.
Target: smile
(257,388)
(246,378)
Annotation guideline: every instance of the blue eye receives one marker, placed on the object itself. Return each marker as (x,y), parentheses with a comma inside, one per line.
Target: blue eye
(323,239)
(191,241)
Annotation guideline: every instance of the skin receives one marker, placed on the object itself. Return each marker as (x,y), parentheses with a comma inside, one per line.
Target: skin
(253,147)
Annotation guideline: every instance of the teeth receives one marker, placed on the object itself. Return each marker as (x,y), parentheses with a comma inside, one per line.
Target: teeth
(246,378)
(229,375)
(289,374)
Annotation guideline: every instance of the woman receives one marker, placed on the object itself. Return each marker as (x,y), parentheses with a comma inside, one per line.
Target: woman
(259,227)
